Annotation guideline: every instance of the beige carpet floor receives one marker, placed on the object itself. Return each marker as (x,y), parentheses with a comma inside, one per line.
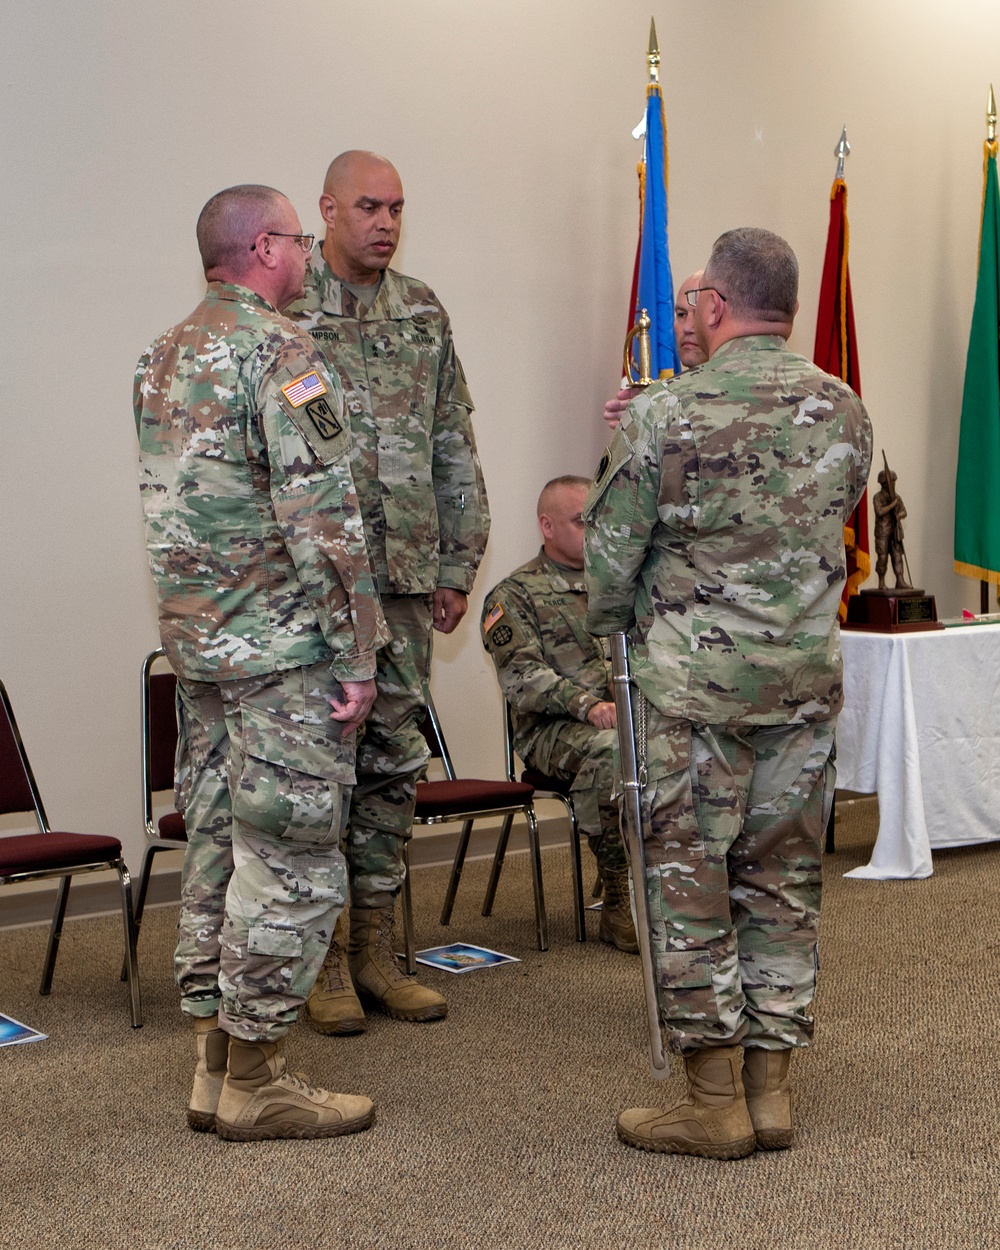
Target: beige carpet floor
(496,1126)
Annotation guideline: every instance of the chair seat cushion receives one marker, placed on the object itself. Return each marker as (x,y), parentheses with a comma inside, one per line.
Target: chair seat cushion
(439,798)
(540,781)
(35,852)
(172,826)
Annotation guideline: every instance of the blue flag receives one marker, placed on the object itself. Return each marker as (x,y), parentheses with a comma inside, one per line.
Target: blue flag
(655,290)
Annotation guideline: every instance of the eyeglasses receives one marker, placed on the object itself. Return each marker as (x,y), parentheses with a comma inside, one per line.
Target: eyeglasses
(692,295)
(305,240)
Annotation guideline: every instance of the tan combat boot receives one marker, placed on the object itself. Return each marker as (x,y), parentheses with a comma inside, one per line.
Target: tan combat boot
(765,1078)
(375,970)
(711,1121)
(333,1006)
(617,927)
(209,1073)
(261,1100)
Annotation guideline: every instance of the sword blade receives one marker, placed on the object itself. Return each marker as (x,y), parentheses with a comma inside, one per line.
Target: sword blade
(621,680)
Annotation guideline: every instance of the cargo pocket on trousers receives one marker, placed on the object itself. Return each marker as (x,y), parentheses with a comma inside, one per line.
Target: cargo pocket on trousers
(684,970)
(671,830)
(272,950)
(292,779)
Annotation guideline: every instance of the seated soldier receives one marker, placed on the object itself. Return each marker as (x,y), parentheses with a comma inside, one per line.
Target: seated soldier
(556,679)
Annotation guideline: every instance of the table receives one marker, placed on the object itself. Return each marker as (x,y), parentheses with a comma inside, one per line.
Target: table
(921,727)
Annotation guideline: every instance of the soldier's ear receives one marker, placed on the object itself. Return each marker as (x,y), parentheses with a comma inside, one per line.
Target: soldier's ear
(328,208)
(263,249)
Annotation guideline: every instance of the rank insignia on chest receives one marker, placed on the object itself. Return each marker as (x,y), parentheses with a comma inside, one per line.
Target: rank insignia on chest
(309,386)
(495,614)
(323,418)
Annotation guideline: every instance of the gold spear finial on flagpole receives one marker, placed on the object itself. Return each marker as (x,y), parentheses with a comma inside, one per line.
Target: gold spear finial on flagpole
(653,54)
(991,118)
(842,151)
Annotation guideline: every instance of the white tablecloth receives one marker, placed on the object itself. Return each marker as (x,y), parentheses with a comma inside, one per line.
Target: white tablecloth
(921,727)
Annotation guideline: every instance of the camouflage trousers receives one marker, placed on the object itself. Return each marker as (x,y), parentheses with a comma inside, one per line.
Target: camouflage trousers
(392,755)
(579,752)
(733,820)
(264,781)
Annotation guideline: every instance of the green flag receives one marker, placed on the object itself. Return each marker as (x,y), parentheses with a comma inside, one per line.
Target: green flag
(977,482)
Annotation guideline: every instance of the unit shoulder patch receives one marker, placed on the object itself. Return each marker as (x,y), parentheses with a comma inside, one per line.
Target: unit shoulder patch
(324,419)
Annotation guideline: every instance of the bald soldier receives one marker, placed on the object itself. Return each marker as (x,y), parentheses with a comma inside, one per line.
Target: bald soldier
(388,340)
(556,678)
(689,350)
(269,616)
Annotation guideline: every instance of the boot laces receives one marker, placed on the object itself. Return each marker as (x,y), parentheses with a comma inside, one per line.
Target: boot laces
(300,1083)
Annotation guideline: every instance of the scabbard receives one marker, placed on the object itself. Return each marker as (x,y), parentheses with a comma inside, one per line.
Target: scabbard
(633,780)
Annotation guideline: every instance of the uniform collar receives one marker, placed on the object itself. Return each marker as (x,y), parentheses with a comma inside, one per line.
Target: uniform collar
(331,295)
(561,577)
(752,343)
(232,292)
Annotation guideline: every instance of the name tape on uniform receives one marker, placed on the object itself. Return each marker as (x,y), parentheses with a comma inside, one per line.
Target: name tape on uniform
(309,386)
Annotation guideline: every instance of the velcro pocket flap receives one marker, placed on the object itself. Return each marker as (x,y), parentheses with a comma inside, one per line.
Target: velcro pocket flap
(683,970)
(294,745)
(272,939)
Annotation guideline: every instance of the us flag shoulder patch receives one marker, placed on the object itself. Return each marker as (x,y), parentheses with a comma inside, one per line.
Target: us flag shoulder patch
(309,386)
(493,617)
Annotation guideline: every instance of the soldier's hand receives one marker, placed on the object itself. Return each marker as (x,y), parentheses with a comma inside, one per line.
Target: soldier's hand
(358,699)
(603,716)
(614,408)
(449,608)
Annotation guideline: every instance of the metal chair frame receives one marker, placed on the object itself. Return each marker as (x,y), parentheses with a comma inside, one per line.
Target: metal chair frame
(154,841)
(552,790)
(66,874)
(526,809)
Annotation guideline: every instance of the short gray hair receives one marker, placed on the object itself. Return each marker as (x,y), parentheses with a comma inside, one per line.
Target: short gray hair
(757,273)
(229,223)
(550,488)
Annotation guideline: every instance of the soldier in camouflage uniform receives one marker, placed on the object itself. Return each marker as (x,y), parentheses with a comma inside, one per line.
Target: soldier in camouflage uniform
(270,618)
(423,502)
(556,678)
(715,535)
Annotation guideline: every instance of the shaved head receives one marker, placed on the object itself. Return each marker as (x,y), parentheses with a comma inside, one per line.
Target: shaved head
(560,518)
(362,205)
(231,220)
(345,170)
(552,490)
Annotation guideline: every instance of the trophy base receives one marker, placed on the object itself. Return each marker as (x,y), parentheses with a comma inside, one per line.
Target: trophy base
(892,611)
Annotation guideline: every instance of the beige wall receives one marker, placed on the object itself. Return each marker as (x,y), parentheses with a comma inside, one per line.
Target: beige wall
(510,125)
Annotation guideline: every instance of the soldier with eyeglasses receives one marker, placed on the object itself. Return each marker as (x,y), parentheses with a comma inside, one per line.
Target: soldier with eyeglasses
(270,619)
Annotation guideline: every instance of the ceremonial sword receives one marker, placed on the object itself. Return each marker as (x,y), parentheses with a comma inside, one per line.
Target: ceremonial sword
(633,780)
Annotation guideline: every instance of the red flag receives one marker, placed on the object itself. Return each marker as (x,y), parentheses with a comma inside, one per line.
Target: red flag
(836,351)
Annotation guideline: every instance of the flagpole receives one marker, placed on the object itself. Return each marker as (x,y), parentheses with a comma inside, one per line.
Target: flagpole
(991,137)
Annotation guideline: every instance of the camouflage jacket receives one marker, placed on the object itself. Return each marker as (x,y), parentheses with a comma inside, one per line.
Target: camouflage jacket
(253,527)
(414,457)
(715,534)
(548,666)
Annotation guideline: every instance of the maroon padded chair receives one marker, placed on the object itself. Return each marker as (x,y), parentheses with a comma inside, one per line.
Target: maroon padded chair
(49,853)
(545,787)
(159,747)
(470,799)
